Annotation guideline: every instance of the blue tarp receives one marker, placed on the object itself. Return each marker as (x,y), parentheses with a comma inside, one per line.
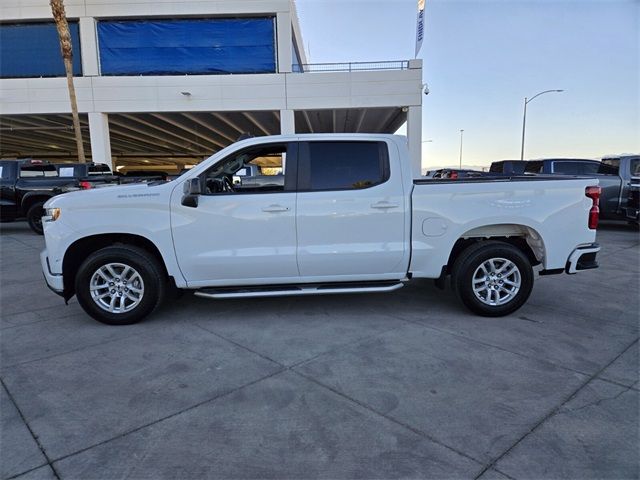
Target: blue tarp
(33,50)
(179,47)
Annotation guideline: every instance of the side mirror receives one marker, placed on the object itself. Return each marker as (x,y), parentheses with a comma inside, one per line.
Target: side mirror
(192,191)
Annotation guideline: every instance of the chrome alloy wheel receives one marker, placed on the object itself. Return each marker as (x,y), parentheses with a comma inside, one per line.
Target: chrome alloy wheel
(116,288)
(496,281)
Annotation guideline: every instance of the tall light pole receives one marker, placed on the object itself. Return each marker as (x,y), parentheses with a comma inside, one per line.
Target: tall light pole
(461,132)
(524,116)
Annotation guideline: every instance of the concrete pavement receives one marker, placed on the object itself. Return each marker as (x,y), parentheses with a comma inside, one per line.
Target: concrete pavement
(405,384)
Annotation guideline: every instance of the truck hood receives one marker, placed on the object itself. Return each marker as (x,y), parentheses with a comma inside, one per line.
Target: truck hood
(120,195)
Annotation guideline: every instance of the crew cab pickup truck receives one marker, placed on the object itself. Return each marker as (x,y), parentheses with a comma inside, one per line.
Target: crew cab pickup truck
(347,217)
(24,187)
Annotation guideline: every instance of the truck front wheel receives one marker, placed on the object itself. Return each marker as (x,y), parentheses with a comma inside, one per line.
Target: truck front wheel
(492,278)
(120,285)
(34,217)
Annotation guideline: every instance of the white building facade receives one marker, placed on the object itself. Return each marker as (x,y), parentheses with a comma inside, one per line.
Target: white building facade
(172,81)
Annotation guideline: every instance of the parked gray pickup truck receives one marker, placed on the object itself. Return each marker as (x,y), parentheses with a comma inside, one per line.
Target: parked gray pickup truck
(614,173)
(616,187)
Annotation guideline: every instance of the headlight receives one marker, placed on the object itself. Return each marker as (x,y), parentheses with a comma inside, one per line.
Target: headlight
(53,214)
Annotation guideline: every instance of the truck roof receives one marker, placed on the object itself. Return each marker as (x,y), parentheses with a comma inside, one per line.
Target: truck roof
(320,136)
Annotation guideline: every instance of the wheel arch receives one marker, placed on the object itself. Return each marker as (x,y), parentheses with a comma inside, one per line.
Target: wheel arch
(31,198)
(79,250)
(523,237)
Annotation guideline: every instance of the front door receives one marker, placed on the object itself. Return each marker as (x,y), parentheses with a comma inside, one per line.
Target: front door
(242,231)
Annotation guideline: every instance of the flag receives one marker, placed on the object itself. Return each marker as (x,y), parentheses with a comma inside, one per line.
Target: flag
(420,26)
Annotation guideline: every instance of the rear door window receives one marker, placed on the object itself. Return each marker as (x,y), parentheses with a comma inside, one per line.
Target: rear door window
(347,165)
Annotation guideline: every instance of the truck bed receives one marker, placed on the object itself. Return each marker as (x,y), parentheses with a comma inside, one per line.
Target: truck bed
(549,207)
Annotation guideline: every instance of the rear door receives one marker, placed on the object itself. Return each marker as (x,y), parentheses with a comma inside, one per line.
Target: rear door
(350,211)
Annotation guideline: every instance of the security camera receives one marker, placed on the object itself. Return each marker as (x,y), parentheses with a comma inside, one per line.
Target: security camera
(426,89)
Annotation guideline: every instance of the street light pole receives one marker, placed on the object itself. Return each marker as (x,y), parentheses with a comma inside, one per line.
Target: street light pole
(524,117)
(461,132)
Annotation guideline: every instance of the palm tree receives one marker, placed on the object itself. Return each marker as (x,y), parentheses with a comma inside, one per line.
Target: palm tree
(60,17)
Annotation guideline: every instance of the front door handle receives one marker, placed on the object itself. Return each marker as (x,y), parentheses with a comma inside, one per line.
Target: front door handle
(384,205)
(275,208)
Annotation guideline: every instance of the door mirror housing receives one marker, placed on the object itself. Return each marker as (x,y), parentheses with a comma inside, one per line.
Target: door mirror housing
(192,190)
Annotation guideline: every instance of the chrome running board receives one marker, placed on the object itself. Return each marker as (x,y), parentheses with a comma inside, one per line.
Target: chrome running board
(302,289)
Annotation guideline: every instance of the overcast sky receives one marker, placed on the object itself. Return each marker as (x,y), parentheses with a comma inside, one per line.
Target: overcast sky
(482,57)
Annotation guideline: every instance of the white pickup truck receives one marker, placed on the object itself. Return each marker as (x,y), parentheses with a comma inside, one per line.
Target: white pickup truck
(343,214)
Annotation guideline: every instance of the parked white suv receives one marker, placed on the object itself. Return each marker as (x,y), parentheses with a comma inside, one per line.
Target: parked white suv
(344,216)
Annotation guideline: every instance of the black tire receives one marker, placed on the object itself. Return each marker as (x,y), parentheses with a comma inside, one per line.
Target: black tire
(154,284)
(34,217)
(469,262)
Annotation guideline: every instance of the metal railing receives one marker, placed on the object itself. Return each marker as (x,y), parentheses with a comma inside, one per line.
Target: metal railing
(352,66)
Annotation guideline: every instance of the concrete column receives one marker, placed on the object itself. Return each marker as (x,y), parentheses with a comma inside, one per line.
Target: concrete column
(88,47)
(415,64)
(287,122)
(100,141)
(284,41)
(414,135)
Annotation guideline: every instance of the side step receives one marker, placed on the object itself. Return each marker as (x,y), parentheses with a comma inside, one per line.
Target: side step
(298,289)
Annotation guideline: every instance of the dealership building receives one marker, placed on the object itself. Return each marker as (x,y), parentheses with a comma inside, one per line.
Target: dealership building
(162,84)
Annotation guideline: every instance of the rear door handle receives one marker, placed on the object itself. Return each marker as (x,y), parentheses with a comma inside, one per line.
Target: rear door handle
(275,208)
(384,205)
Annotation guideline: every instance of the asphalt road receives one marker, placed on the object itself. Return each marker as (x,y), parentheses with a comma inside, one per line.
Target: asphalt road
(404,384)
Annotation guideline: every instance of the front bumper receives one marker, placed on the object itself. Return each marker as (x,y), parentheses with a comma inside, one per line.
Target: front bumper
(54,282)
(583,258)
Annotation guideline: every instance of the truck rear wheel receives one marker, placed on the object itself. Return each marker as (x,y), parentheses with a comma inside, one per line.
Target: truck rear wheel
(492,278)
(34,217)
(120,285)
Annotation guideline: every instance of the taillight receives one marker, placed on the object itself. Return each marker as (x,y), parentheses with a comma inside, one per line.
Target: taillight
(85,185)
(594,213)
